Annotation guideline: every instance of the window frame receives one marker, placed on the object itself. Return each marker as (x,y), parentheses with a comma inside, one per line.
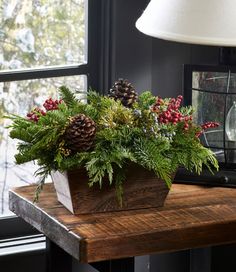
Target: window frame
(97,69)
(60,70)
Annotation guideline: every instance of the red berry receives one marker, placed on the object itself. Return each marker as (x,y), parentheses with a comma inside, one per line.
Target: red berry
(51,104)
(35,114)
(209,125)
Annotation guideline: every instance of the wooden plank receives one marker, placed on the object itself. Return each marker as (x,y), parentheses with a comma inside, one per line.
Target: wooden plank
(141,189)
(192,217)
(43,222)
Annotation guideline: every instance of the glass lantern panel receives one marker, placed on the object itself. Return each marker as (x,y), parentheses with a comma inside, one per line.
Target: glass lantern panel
(210,81)
(210,107)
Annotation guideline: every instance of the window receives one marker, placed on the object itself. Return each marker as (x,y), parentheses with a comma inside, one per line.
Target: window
(44,44)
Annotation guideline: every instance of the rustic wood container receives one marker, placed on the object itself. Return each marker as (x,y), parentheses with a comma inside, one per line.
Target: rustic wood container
(142,189)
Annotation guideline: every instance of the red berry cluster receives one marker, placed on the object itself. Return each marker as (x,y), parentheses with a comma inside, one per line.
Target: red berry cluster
(35,114)
(175,103)
(172,113)
(170,116)
(51,104)
(187,120)
(207,125)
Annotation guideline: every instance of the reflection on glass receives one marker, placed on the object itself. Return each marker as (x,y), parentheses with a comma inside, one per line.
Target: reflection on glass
(19,97)
(209,106)
(210,81)
(42,33)
(230,123)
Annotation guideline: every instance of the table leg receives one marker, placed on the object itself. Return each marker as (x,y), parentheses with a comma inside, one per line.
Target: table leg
(57,259)
(200,260)
(120,265)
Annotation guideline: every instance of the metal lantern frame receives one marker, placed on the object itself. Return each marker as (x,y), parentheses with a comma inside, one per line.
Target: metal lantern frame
(224,149)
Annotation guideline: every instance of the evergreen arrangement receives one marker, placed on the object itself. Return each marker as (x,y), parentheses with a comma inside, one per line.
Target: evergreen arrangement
(109,132)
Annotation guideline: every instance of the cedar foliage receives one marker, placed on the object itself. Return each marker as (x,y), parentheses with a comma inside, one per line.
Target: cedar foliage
(124,135)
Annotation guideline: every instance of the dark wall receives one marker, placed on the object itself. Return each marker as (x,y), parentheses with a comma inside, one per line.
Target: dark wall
(167,63)
(132,51)
(147,62)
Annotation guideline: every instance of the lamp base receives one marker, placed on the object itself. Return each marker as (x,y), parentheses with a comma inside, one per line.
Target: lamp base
(227,56)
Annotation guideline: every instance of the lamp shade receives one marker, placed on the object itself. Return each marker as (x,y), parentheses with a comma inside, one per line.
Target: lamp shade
(208,22)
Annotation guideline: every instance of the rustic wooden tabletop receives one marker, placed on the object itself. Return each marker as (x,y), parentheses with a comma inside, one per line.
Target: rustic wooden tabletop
(192,217)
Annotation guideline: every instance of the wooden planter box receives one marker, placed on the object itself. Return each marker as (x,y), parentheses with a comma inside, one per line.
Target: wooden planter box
(142,189)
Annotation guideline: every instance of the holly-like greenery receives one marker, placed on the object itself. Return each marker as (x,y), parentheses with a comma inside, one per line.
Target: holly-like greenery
(123,135)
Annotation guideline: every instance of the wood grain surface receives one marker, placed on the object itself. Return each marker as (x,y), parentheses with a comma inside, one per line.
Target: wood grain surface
(192,217)
(142,189)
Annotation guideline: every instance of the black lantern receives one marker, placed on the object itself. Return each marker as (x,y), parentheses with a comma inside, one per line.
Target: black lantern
(211,90)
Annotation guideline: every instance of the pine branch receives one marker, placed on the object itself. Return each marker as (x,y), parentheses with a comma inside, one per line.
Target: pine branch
(189,153)
(146,99)
(43,172)
(75,161)
(152,157)
(24,154)
(68,97)
(94,98)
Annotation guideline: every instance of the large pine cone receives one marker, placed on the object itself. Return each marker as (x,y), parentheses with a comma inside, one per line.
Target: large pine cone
(80,133)
(123,91)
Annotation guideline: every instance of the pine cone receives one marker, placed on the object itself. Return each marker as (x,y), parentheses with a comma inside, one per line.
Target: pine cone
(80,133)
(123,91)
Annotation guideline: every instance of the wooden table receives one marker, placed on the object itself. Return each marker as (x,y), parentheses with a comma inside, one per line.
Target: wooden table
(193,216)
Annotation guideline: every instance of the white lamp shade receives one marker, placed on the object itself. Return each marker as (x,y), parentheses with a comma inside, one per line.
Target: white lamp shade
(209,22)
